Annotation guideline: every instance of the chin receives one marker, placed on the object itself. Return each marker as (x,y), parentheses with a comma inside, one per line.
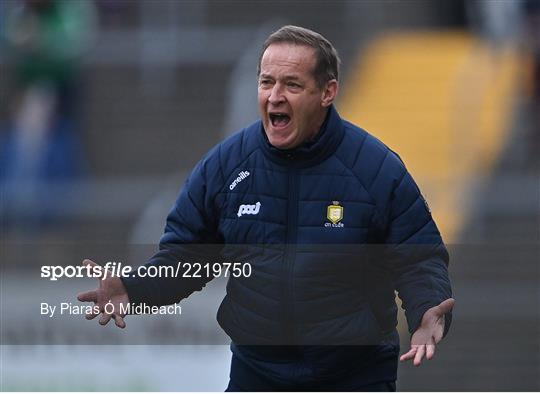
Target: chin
(278,144)
(281,142)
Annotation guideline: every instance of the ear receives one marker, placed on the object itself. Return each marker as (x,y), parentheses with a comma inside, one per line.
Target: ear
(329,93)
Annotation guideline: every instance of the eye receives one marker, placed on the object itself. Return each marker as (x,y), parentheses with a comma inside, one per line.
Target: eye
(293,85)
(265,82)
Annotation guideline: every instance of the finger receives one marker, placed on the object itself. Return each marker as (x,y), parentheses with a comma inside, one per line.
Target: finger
(104,319)
(93,315)
(90,316)
(410,354)
(430,351)
(86,262)
(96,268)
(119,321)
(446,306)
(88,296)
(419,355)
(439,331)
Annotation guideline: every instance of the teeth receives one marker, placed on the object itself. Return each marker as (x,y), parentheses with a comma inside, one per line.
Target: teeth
(279,117)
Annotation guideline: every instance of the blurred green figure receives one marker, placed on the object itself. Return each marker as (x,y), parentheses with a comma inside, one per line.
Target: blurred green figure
(40,144)
(47,39)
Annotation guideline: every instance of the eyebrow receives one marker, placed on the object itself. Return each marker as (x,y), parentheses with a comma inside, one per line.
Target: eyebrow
(287,77)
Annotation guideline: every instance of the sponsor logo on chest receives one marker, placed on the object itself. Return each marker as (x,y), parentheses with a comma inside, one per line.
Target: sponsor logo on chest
(247,209)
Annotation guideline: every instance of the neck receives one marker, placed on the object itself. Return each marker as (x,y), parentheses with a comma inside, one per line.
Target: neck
(319,123)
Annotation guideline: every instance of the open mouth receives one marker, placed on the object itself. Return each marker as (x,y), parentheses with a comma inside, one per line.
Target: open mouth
(279,120)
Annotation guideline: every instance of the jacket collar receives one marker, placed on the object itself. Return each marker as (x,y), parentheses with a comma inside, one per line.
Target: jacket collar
(310,152)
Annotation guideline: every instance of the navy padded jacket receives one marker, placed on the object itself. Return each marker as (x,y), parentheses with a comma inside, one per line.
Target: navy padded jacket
(309,285)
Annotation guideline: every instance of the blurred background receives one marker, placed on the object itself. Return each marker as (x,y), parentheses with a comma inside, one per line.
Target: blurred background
(106,105)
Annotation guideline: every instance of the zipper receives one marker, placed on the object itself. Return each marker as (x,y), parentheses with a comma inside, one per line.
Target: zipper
(289,256)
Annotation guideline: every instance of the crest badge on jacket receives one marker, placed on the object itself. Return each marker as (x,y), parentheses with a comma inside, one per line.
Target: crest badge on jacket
(334,213)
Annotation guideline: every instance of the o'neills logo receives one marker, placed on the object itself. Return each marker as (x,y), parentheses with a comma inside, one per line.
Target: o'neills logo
(241,176)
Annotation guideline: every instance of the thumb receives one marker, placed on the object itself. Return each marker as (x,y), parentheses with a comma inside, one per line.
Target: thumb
(446,306)
(96,268)
(87,262)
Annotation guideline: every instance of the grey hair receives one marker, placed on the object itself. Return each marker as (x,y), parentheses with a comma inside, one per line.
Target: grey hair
(327,59)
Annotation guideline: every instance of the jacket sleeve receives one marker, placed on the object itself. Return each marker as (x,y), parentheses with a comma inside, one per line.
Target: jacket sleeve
(190,236)
(418,256)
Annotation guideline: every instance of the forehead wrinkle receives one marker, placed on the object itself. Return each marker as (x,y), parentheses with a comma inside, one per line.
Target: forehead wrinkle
(289,68)
(292,57)
(277,60)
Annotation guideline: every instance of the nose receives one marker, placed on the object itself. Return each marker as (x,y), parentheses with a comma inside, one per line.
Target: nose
(276,95)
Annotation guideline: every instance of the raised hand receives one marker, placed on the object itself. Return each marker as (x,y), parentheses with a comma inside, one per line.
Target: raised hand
(111,291)
(429,334)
